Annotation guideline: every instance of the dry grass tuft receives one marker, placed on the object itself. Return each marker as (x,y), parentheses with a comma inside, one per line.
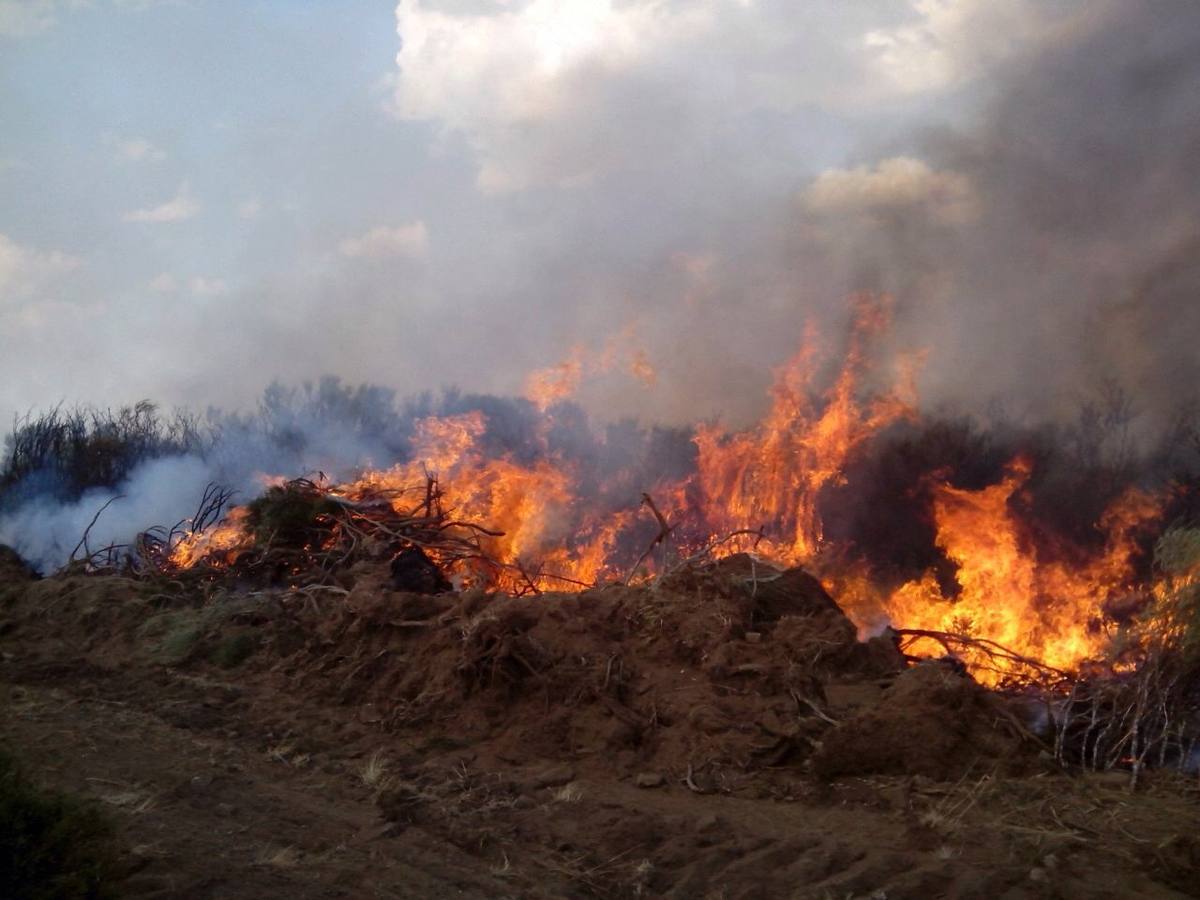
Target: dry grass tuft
(289,755)
(568,793)
(374,772)
(947,815)
(132,801)
(279,857)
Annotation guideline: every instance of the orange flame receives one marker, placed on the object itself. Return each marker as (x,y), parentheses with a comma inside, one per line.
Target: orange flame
(1042,609)
(222,542)
(561,381)
(770,477)
(545,387)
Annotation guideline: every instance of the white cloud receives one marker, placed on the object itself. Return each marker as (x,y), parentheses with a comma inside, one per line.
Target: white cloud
(897,184)
(135,149)
(22,18)
(951,41)
(208,287)
(182,206)
(197,285)
(249,208)
(25,270)
(556,92)
(411,240)
(502,74)
(163,283)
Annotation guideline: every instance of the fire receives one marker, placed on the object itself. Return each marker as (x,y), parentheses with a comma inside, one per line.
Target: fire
(223,542)
(561,381)
(531,504)
(1037,600)
(548,386)
(771,475)
(1043,609)
(642,369)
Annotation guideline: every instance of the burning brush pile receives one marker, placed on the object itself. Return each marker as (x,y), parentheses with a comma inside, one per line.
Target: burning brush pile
(302,533)
(1055,565)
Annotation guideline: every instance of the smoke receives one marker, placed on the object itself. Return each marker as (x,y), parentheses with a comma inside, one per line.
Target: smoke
(323,429)
(708,177)
(1075,262)
(326,431)
(700,182)
(1041,251)
(45,531)
(1020,176)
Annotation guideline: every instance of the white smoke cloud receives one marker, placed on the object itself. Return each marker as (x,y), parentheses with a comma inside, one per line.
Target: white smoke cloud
(324,428)
(899,184)
(45,531)
(558,91)
(952,41)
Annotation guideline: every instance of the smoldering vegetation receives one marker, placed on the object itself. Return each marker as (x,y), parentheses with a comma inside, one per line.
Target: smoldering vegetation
(144,467)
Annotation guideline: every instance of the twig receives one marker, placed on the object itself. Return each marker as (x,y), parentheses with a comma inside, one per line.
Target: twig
(83,541)
(664,532)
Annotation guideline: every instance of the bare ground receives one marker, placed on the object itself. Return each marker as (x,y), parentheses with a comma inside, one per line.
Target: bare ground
(374,744)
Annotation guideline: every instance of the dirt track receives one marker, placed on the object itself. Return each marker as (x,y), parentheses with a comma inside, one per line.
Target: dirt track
(253,781)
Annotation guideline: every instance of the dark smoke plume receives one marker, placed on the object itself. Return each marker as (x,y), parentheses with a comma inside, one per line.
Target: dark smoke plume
(1081,265)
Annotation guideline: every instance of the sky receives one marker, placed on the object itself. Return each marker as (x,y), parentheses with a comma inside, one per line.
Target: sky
(198,197)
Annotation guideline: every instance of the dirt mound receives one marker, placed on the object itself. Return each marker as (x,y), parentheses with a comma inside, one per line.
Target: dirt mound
(13,566)
(933,721)
(708,678)
(719,670)
(628,741)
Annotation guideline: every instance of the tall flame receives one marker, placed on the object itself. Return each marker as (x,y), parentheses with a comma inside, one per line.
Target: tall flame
(769,478)
(772,474)
(1043,609)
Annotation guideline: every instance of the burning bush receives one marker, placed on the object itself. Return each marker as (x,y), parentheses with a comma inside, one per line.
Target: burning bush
(1019,550)
(302,532)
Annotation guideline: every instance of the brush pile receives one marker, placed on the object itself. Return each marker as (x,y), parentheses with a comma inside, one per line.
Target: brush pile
(303,532)
(1137,707)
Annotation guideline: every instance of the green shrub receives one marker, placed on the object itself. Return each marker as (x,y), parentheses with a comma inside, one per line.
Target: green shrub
(1177,612)
(66,452)
(289,515)
(234,650)
(51,846)
(174,635)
